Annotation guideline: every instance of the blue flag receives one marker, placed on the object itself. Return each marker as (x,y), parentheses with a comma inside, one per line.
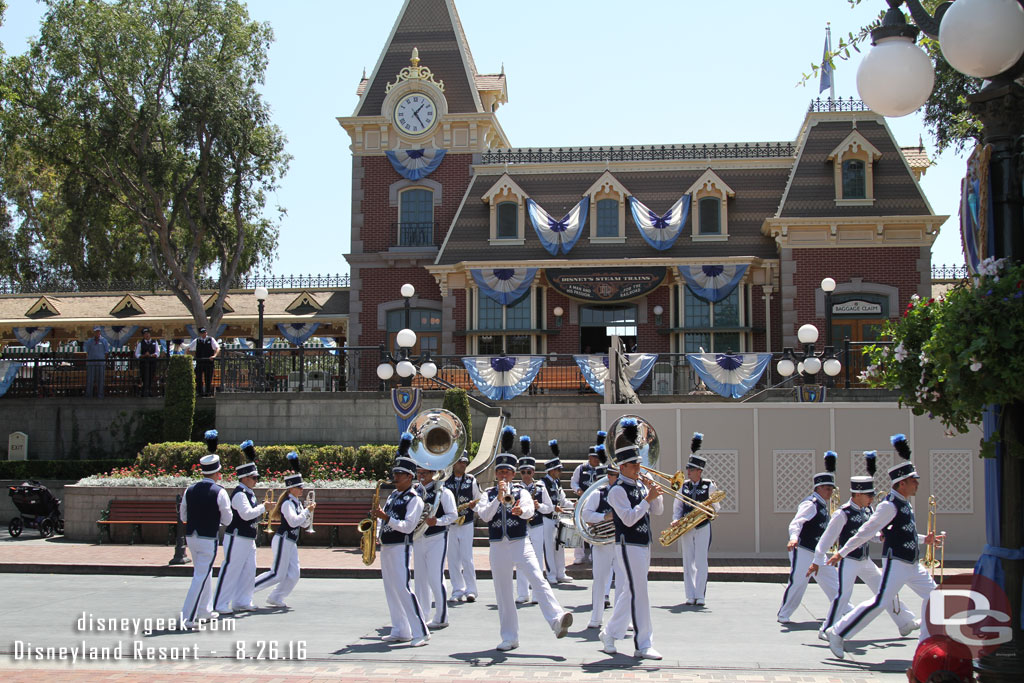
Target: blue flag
(826,67)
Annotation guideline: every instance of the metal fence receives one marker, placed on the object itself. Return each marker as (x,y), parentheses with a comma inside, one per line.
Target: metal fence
(60,284)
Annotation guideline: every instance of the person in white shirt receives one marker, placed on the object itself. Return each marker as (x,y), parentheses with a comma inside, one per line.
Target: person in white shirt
(583,476)
(429,548)
(237,578)
(467,494)
(696,543)
(292,517)
(535,525)
(597,510)
(205,348)
(554,556)
(147,351)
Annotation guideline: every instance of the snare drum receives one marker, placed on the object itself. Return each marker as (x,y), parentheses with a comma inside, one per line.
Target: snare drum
(567,535)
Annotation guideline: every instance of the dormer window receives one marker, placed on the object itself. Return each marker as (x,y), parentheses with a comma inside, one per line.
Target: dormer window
(607,215)
(853,163)
(508,221)
(710,210)
(507,203)
(710,201)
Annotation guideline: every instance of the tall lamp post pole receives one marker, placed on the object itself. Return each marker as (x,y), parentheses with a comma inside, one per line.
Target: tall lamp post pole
(261,295)
(983,39)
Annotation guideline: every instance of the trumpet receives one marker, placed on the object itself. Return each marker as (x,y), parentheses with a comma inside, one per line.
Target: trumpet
(505,492)
(268,504)
(310,505)
(930,562)
(274,516)
(833,505)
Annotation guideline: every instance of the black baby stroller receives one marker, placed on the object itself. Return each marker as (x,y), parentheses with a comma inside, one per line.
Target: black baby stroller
(39,510)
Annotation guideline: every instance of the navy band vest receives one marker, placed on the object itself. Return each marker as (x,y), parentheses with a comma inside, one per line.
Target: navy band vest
(855,518)
(284,528)
(639,533)
(700,491)
(238,525)
(815,526)
(901,533)
(428,501)
(148,346)
(204,348)
(535,489)
(396,506)
(603,506)
(553,487)
(203,512)
(504,524)
(462,489)
(587,476)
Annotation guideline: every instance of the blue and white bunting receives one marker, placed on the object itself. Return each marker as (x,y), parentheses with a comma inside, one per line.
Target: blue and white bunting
(413,164)
(730,375)
(713,282)
(562,233)
(191,329)
(8,371)
(594,368)
(332,344)
(504,285)
(31,336)
(502,377)
(298,333)
(118,335)
(660,232)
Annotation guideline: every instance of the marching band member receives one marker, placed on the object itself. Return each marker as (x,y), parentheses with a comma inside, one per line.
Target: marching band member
(554,557)
(895,519)
(292,517)
(460,534)
(582,477)
(598,510)
(238,573)
(846,521)
(804,532)
(429,549)
(632,504)
(205,507)
(696,543)
(535,525)
(400,514)
(505,509)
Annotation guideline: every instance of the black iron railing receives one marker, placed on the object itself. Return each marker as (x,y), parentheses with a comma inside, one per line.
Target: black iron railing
(8,286)
(415,234)
(945,272)
(639,153)
(839,104)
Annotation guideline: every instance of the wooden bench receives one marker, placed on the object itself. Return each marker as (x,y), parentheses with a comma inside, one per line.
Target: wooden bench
(331,517)
(136,513)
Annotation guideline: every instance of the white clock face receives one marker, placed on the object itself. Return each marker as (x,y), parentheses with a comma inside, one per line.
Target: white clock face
(415,114)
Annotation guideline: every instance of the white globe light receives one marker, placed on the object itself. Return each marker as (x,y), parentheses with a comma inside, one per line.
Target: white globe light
(428,369)
(405,369)
(895,77)
(982,38)
(812,365)
(406,338)
(828,285)
(385,371)
(785,367)
(658,310)
(807,334)
(261,293)
(558,311)
(408,291)
(832,367)
(800,367)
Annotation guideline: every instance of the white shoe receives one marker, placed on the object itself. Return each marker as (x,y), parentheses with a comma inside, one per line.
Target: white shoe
(835,643)
(188,624)
(276,603)
(420,642)
(208,616)
(507,645)
(457,596)
(822,636)
(244,608)
(594,624)
(647,653)
(437,625)
(395,639)
(688,602)
(607,643)
(699,602)
(565,579)
(562,625)
(784,620)
(470,597)
(522,601)
(910,627)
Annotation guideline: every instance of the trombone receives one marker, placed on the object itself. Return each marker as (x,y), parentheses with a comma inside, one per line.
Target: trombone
(675,484)
(930,562)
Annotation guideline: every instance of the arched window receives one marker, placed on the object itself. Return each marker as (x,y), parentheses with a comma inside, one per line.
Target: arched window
(854,180)
(710,216)
(508,221)
(416,218)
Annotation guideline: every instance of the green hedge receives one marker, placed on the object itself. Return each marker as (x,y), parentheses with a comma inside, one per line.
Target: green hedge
(179,398)
(57,469)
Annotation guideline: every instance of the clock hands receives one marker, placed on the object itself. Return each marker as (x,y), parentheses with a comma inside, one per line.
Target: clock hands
(416,113)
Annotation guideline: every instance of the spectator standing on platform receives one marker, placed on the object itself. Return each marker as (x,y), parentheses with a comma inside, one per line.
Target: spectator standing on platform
(147,351)
(205,348)
(96,350)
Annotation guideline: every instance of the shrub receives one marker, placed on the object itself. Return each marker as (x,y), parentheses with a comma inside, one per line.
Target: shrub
(179,399)
(57,469)
(457,401)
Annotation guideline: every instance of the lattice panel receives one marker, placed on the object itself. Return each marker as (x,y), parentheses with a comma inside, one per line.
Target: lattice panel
(952,481)
(882,464)
(794,478)
(723,468)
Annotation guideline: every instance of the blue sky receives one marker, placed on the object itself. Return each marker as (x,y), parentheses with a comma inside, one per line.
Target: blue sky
(580,72)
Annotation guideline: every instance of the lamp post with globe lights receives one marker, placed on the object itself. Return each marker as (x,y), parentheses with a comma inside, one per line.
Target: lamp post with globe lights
(983,39)
(261,295)
(808,361)
(828,285)
(403,364)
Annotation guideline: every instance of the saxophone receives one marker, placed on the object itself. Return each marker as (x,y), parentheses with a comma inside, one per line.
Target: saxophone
(691,520)
(368,528)
(461,511)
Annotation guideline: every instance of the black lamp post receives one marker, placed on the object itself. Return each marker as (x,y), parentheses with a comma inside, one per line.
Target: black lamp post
(404,364)
(983,39)
(261,295)
(808,361)
(828,285)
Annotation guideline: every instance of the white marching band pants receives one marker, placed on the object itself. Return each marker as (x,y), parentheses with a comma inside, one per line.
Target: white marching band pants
(694,546)
(507,555)
(535,537)
(199,599)
(604,561)
(895,575)
(871,575)
(554,559)
(428,564)
(460,559)
(406,617)
(631,599)
(827,578)
(284,570)
(237,579)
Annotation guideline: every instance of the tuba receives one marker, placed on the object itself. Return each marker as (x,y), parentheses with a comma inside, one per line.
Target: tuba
(602,533)
(438,439)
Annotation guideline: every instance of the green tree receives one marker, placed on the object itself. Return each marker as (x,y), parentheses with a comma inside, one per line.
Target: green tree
(179,399)
(135,142)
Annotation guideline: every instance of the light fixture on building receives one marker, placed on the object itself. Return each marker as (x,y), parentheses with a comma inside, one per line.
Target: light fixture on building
(658,312)
(404,364)
(808,362)
(557,310)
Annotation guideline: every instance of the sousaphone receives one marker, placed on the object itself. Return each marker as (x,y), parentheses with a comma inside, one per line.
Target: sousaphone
(438,440)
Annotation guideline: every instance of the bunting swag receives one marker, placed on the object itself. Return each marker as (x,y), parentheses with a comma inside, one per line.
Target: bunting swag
(191,329)
(118,335)
(406,402)
(660,232)
(8,371)
(714,282)
(595,369)
(504,285)
(31,336)
(298,333)
(413,164)
(502,377)
(730,375)
(564,232)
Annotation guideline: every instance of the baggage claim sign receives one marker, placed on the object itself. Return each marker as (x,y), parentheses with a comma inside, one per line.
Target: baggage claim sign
(613,284)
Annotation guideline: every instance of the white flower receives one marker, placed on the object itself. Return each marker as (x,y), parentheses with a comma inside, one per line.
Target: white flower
(923,358)
(901,353)
(885,352)
(915,298)
(975,365)
(936,396)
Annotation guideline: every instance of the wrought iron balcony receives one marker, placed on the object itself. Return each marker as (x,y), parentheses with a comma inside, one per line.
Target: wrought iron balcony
(415,234)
